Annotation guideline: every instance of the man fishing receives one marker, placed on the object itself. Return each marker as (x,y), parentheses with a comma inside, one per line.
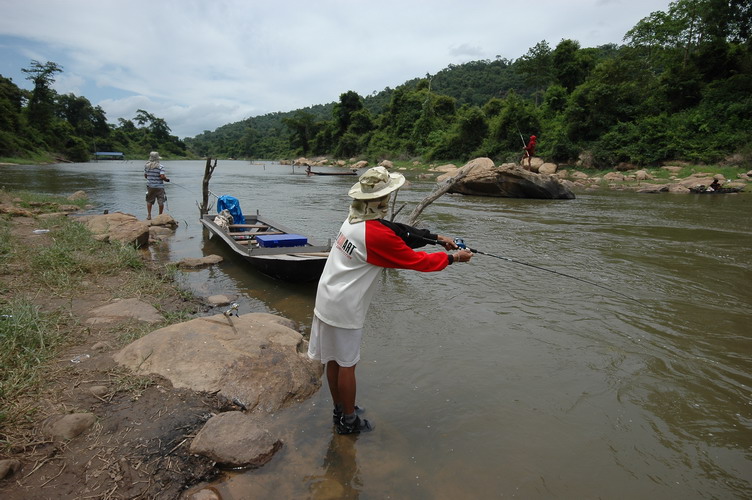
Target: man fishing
(365,244)
(529,152)
(154,173)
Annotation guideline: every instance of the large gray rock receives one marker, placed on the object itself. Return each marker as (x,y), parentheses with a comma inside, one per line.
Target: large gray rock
(191,262)
(9,467)
(163,220)
(78,195)
(234,439)
(120,309)
(118,226)
(254,360)
(508,181)
(653,188)
(64,427)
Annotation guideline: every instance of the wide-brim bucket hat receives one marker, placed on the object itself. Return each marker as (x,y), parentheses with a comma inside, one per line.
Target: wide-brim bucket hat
(376,182)
(154,156)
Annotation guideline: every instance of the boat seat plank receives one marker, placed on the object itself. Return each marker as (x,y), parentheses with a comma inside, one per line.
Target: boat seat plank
(249,226)
(254,233)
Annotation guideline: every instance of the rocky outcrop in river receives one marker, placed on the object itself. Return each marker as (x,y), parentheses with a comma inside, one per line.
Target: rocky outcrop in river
(506,181)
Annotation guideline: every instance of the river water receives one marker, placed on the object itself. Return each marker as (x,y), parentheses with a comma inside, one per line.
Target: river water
(493,379)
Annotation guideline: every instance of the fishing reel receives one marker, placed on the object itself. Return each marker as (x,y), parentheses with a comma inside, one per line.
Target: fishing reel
(460,243)
(232,310)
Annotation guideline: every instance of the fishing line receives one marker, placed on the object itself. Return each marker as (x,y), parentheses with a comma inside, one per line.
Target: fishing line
(461,244)
(183,187)
(192,192)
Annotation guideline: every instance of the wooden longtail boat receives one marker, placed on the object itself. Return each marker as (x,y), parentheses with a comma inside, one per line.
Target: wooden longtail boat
(271,248)
(313,172)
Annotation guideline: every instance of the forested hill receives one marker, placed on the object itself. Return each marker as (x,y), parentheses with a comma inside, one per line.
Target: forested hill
(474,83)
(678,88)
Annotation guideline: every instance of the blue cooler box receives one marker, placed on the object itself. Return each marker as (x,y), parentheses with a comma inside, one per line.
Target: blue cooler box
(281,240)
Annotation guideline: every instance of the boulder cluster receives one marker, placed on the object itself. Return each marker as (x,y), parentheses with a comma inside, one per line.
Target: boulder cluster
(547,180)
(254,362)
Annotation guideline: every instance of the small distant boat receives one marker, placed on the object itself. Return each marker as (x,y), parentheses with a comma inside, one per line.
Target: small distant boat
(271,248)
(313,172)
(722,190)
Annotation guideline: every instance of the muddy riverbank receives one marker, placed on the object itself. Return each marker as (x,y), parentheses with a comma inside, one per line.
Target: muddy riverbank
(137,446)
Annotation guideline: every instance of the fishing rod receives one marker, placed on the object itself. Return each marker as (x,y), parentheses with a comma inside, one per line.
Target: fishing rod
(192,192)
(524,145)
(461,244)
(178,185)
(521,137)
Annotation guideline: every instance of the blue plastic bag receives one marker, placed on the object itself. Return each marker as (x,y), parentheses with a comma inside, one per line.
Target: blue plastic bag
(232,205)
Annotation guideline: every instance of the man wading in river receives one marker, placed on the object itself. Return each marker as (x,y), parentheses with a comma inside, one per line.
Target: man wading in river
(155,176)
(365,244)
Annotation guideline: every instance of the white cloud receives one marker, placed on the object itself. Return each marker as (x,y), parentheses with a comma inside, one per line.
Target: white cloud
(200,65)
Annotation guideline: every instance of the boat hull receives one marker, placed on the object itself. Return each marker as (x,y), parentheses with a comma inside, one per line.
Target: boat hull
(293,271)
(333,173)
(704,190)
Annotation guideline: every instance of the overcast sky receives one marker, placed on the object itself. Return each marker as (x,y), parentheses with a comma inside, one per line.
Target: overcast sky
(200,64)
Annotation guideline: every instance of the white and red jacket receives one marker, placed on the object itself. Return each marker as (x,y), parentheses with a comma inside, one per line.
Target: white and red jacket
(348,281)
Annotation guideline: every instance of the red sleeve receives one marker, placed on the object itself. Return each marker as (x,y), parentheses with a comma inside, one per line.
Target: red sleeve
(386,249)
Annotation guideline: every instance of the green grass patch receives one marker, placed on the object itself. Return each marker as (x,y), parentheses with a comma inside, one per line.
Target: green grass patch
(730,173)
(33,158)
(6,243)
(28,338)
(45,203)
(74,253)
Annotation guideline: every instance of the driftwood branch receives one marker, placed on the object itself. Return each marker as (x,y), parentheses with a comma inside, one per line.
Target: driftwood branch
(435,195)
(208,171)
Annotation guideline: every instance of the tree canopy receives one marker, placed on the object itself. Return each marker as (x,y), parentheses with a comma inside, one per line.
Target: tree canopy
(43,122)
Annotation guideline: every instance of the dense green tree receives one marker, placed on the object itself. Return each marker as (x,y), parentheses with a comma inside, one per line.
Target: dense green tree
(619,90)
(324,141)
(361,122)
(517,120)
(11,99)
(536,67)
(41,105)
(303,129)
(570,65)
(465,137)
(349,103)
(86,120)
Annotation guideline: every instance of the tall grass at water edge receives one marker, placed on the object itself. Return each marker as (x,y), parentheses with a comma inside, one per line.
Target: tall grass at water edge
(28,338)
(74,253)
(65,257)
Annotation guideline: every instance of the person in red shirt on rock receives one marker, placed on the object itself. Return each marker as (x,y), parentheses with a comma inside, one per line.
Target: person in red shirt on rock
(529,151)
(366,243)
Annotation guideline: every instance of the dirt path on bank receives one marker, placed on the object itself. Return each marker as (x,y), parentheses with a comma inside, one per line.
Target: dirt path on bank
(138,447)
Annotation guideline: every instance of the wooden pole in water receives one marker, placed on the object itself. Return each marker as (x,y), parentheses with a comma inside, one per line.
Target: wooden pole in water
(204,208)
